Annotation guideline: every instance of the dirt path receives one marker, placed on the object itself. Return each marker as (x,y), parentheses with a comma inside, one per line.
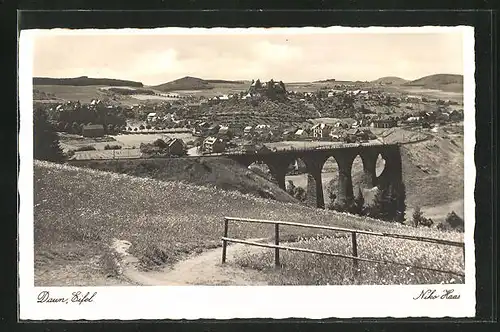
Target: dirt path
(202,269)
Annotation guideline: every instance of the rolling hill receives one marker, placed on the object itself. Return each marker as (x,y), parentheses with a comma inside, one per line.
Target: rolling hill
(390,80)
(84,81)
(193,83)
(445,82)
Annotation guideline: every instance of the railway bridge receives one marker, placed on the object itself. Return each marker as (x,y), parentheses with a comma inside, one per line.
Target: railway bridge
(314,159)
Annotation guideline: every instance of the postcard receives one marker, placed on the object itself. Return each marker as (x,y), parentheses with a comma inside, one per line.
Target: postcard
(186,173)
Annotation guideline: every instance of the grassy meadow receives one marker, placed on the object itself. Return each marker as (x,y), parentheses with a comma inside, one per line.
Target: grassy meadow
(79,211)
(311,269)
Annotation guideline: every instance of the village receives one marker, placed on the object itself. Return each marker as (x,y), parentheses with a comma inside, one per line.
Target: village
(248,121)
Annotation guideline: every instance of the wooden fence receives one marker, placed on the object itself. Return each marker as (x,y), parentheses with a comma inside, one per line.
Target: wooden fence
(355,259)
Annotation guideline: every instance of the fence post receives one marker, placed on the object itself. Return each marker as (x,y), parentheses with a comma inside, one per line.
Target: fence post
(463,253)
(277,242)
(354,253)
(224,242)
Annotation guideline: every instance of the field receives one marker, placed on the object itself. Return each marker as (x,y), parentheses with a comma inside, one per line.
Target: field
(78,212)
(108,154)
(221,173)
(71,142)
(310,269)
(84,94)
(131,140)
(130,144)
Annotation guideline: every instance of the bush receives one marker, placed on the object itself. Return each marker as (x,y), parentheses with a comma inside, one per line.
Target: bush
(86,148)
(112,147)
(452,222)
(419,219)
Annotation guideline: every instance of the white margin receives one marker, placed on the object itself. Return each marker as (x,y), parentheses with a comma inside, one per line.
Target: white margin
(223,302)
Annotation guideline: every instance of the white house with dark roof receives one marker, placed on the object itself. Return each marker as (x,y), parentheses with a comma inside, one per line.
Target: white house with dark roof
(321,130)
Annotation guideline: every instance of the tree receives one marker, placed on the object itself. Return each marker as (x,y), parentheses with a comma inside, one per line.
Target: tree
(359,202)
(333,197)
(454,221)
(300,193)
(417,216)
(290,188)
(45,139)
(75,128)
(258,84)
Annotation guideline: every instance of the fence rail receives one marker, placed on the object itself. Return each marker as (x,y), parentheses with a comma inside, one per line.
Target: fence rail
(355,258)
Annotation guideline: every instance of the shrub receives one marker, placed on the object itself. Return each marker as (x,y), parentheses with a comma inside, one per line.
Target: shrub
(86,148)
(452,222)
(160,143)
(112,147)
(417,216)
(419,219)
(359,202)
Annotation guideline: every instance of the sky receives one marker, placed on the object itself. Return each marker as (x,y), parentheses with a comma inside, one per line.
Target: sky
(153,58)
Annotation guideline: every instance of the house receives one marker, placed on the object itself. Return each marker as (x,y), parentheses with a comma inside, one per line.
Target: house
(200,129)
(213,145)
(247,131)
(345,123)
(151,117)
(95,130)
(224,131)
(261,128)
(336,133)
(321,130)
(175,146)
(214,129)
(301,133)
(414,119)
(384,122)
(355,134)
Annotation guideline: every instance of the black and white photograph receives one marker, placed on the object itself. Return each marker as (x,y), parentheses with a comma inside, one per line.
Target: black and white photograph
(237,166)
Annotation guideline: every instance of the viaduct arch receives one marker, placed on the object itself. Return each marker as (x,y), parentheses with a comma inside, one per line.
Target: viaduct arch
(278,162)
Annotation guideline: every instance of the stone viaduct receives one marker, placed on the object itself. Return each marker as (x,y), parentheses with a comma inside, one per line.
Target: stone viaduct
(314,159)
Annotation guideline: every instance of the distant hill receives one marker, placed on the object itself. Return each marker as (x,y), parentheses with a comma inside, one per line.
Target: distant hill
(390,80)
(330,80)
(185,83)
(193,83)
(445,82)
(83,81)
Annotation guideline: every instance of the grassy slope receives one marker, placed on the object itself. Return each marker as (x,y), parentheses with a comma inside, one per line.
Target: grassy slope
(306,269)
(222,173)
(445,82)
(78,211)
(83,81)
(390,80)
(84,94)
